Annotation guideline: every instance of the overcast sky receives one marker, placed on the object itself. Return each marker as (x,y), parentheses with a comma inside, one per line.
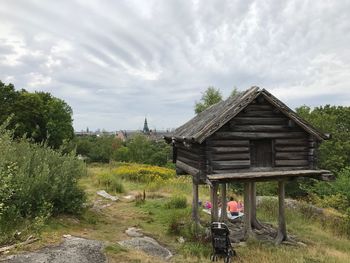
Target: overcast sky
(115,62)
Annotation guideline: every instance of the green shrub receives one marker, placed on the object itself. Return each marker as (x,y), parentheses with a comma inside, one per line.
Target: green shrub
(176,223)
(332,194)
(336,201)
(266,188)
(176,202)
(35,182)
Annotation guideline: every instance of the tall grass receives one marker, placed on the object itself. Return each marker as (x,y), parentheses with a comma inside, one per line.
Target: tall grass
(111,182)
(35,182)
(304,215)
(176,202)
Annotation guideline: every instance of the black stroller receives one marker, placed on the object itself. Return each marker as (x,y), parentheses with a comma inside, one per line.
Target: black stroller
(221,242)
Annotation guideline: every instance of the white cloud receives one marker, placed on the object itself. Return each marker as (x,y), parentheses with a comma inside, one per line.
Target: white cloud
(37,79)
(116,62)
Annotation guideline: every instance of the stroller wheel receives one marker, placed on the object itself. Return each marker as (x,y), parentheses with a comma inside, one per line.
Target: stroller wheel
(228,259)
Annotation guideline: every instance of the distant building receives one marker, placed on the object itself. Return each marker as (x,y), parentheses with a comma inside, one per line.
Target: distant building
(125,135)
(145,127)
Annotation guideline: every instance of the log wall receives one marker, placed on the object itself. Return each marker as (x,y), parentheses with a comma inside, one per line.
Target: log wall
(194,156)
(228,149)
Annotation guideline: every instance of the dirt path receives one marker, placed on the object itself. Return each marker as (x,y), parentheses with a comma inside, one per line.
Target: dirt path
(73,249)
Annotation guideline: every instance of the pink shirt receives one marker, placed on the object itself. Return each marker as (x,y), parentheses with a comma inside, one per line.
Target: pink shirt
(232,206)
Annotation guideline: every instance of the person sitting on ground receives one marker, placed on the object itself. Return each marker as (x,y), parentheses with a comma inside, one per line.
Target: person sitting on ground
(207,205)
(232,207)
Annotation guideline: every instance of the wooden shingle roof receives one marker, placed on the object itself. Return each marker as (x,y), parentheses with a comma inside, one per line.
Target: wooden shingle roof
(213,118)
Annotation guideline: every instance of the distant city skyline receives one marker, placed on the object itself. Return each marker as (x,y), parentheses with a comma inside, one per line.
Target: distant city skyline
(115,62)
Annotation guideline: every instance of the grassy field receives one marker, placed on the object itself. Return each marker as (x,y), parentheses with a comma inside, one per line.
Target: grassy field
(159,219)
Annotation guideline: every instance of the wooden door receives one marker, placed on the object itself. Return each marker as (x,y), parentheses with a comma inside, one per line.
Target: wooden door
(261,153)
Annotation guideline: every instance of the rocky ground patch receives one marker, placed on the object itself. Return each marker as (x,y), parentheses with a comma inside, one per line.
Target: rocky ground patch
(147,244)
(72,249)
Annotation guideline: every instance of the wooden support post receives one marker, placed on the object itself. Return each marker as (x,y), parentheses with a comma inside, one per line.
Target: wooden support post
(195,214)
(223,203)
(247,212)
(255,222)
(282,230)
(214,202)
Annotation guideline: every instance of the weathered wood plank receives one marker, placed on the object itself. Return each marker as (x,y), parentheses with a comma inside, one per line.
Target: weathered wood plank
(259,107)
(260,120)
(193,148)
(188,154)
(293,142)
(224,203)
(228,149)
(268,174)
(258,135)
(273,152)
(214,201)
(292,115)
(211,142)
(260,128)
(260,114)
(233,163)
(187,168)
(230,156)
(291,162)
(292,155)
(291,148)
(258,169)
(188,161)
(218,165)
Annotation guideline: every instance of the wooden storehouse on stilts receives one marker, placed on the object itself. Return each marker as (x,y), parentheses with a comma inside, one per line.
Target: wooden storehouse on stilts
(249,138)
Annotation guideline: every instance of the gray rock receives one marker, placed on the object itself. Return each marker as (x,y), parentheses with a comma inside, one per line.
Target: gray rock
(73,249)
(99,205)
(129,197)
(106,195)
(133,232)
(148,245)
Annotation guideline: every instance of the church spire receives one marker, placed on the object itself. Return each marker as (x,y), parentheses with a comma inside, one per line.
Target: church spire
(145,127)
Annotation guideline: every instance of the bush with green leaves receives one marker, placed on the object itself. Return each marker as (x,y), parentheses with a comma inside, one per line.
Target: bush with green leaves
(334,154)
(35,182)
(332,194)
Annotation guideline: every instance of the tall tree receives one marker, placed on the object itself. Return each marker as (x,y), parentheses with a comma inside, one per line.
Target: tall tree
(8,96)
(209,97)
(39,115)
(334,154)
